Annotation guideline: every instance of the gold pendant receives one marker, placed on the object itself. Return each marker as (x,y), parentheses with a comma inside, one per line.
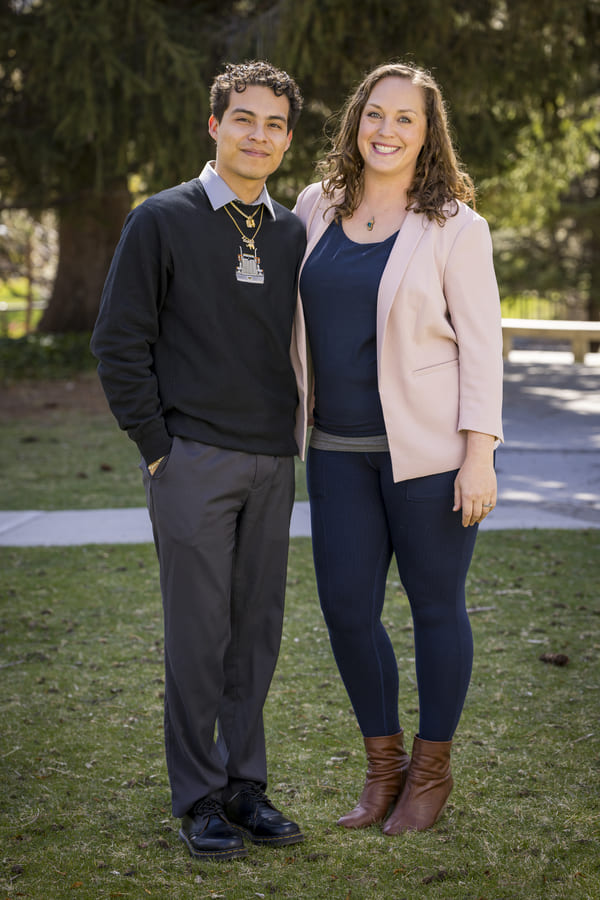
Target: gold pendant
(248,242)
(250,223)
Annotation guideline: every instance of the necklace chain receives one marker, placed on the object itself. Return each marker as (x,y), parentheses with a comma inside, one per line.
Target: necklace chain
(250,223)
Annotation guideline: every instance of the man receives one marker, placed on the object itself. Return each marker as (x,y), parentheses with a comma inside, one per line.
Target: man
(197,356)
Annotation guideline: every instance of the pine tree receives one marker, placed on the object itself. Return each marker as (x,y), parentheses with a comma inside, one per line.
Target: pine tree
(92,91)
(95,91)
(522,82)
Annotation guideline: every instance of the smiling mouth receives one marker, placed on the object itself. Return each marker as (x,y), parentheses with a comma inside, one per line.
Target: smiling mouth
(385,149)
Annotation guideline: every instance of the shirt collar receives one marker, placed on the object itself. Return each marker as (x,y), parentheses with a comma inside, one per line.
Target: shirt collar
(219,193)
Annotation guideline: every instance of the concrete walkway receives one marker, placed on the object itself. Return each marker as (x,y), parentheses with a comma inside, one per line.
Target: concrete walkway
(548,469)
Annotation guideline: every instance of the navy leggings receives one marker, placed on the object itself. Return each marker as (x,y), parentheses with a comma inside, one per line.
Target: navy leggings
(359,517)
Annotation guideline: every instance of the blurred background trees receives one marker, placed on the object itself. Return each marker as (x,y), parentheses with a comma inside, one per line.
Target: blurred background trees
(103,102)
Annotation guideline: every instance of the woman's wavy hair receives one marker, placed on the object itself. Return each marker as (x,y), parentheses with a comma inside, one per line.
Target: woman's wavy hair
(439,177)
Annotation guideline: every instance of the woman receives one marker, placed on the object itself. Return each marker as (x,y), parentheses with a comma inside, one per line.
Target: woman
(403,321)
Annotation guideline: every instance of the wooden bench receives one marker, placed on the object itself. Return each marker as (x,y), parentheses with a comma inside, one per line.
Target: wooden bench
(579,334)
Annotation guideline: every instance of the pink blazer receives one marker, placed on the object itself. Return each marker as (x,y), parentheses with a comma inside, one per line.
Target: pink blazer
(439,336)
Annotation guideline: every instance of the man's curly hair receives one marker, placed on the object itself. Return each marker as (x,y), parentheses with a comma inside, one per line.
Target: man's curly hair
(237,77)
(439,177)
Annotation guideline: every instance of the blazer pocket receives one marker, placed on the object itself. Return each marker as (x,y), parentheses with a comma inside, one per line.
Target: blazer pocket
(438,367)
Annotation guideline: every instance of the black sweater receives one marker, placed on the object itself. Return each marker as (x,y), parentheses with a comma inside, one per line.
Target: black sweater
(186,349)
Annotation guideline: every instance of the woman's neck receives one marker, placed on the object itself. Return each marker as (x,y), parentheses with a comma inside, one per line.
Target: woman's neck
(380,213)
(384,194)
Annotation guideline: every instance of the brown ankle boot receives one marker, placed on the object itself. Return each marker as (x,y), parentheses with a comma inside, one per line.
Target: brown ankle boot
(428,786)
(388,763)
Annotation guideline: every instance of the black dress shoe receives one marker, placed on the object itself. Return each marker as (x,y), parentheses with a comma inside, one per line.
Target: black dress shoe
(208,835)
(251,810)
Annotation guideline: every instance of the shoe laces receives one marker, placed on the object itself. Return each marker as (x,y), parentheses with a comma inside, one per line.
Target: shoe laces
(256,793)
(208,806)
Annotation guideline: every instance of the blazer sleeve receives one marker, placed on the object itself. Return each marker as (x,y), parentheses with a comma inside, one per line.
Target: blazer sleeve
(473,301)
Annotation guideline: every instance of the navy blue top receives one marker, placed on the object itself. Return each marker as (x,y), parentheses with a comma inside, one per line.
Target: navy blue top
(339,285)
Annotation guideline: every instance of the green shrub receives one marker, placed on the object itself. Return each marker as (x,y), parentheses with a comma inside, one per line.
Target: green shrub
(45,356)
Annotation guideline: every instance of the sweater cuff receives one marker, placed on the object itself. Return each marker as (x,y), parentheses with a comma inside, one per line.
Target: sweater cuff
(153,440)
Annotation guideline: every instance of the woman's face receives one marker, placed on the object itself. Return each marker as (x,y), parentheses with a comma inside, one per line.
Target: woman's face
(392,128)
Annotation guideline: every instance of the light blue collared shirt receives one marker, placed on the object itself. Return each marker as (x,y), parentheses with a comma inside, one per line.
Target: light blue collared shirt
(220,194)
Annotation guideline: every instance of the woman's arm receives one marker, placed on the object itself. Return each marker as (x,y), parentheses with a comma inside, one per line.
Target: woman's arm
(473,302)
(475,489)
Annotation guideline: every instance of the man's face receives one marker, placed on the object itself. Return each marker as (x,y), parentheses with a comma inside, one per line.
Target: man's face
(251,139)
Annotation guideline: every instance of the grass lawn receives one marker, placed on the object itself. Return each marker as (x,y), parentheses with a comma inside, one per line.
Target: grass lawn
(84,800)
(62,449)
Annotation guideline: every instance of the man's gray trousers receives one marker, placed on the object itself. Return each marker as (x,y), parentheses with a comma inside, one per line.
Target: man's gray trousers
(221,523)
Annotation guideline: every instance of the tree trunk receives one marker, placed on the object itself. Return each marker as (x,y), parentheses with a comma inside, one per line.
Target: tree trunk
(89,229)
(593,311)
(593,258)
(29,276)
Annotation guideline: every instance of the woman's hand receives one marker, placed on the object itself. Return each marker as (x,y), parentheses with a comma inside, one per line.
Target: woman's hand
(475,489)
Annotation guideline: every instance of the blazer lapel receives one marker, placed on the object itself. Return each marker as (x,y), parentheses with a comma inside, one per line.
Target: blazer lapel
(413,228)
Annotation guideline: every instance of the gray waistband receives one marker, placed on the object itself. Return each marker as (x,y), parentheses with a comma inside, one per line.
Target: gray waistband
(377,443)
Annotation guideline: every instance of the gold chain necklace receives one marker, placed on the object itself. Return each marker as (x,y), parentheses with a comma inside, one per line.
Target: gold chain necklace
(248,268)
(250,223)
(248,241)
